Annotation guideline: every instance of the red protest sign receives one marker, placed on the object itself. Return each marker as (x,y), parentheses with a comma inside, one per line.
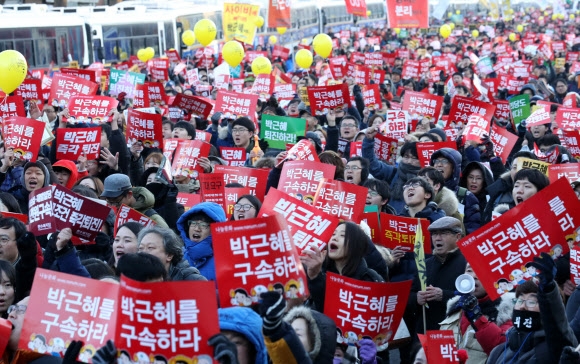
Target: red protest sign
(280,51)
(260,254)
(65,86)
(356,7)
(568,118)
(279,14)
(342,199)
(285,91)
(386,148)
(254,178)
(30,89)
(74,142)
(410,69)
(148,93)
(204,136)
(538,117)
(64,307)
(263,85)
(144,127)
(574,262)
(211,187)
(177,317)
(300,179)
(55,207)
(307,224)
(5,330)
(250,56)
(188,200)
(92,75)
(568,171)
(463,107)
(423,104)
(426,149)
(374,59)
(569,101)
(23,135)
(371,218)
(234,156)
(441,347)
(90,109)
(365,309)
(14,106)
(235,104)
(195,104)
(231,197)
(356,149)
(325,98)
(126,214)
(396,125)
(400,231)
(169,146)
(502,110)
(413,15)
(516,237)
(503,142)
(173,55)
(186,156)
(304,150)
(371,96)
(476,128)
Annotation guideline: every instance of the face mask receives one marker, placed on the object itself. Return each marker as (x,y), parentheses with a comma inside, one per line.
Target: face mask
(526,320)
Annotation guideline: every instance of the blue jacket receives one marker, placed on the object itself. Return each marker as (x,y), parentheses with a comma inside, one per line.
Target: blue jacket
(200,255)
(471,213)
(248,323)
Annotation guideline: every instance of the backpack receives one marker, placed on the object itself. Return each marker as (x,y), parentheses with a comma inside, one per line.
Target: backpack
(461,193)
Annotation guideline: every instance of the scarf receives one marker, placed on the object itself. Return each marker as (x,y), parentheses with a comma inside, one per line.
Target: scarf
(405,172)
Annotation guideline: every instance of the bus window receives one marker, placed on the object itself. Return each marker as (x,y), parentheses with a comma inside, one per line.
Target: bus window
(26,48)
(76,43)
(169,35)
(45,51)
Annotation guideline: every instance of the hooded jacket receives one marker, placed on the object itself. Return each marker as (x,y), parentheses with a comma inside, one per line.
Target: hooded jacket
(72,168)
(431,212)
(21,193)
(184,272)
(200,255)
(471,213)
(144,202)
(500,192)
(447,201)
(487,181)
(246,322)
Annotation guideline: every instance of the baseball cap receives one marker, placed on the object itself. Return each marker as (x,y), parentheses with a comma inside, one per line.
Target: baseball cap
(115,185)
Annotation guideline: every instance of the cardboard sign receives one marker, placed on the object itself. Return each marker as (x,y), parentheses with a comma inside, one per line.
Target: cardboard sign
(90,109)
(308,225)
(342,199)
(571,140)
(173,55)
(14,106)
(423,104)
(30,89)
(374,59)
(524,163)
(426,149)
(231,197)
(410,69)
(127,214)
(325,98)
(263,85)
(64,307)
(386,148)
(254,178)
(441,347)
(239,22)
(304,150)
(396,124)
(124,81)
(279,14)
(568,118)
(413,15)
(235,104)
(260,254)
(211,187)
(280,130)
(188,200)
(23,135)
(234,156)
(356,149)
(150,93)
(520,108)
(144,127)
(568,171)
(371,218)
(75,142)
(574,262)
(194,104)
(365,309)
(400,231)
(65,86)
(463,107)
(285,91)
(186,156)
(300,179)
(53,208)
(476,128)
(92,75)
(501,251)
(371,96)
(539,117)
(503,142)
(280,51)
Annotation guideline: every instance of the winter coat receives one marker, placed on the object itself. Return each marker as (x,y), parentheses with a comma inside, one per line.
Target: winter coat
(446,200)
(482,196)
(440,273)
(72,168)
(431,212)
(491,327)
(22,194)
(500,192)
(144,202)
(471,213)
(200,255)
(67,261)
(166,203)
(184,272)
(248,323)
(544,345)
(573,311)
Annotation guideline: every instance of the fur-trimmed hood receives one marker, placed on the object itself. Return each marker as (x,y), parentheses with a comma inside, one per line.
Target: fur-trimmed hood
(504,306)
(322,330)
(447,201)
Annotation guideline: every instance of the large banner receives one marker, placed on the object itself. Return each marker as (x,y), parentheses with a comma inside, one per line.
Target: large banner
(409,14)
(239,21)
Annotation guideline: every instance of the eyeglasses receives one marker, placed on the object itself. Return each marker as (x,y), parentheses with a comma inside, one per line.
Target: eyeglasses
(441,232)
(373,193)
(443,161)
(5,240)
(239,207)
(344,126)
(410,158)
(198,224)
(531,303)
(20,309)
(412,185)
(239,130)
(352,168)
(577,193)
(474,178)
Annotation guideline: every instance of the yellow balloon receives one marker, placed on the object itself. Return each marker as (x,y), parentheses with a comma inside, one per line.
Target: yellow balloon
(369,13)
(540,18)
(475,33)
(512,37)
(546,13)
(562,16)
(449,14)
(150,52)
(554,16)
(116,50)
(520,28)
(188,37)
(452,26)
(205,31)
(457,12)
(397,30)
(304,58)
(123,56)
(13,69)
(261,66)
(273,39)
(142,55)
(259,21)
(281,30)
(571,16)
(322,45)
(445,31)
(233,53)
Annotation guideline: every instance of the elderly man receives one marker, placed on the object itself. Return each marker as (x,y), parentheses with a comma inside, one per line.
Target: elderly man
(446,264)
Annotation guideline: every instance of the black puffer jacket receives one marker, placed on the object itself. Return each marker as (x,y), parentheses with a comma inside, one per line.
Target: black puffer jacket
(487,181)
(184,272)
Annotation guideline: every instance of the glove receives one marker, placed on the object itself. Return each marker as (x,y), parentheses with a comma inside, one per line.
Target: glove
(263,145)
(272,309)
(486,141)
(548,269)
(172,193)
(224,351)
(569,356)
(106,355)
(367,351)
(356,89)
(27,245)
(72,352)
(468,303)
(522,129)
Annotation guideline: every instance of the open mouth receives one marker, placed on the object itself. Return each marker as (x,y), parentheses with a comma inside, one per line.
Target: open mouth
(473,187)
(349,178)
(32,183)
(438,245)
(241,216)
(195,236)
(519,199)
(368,202)
(119,253)
(237,140)
(410,194)
(332,247)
